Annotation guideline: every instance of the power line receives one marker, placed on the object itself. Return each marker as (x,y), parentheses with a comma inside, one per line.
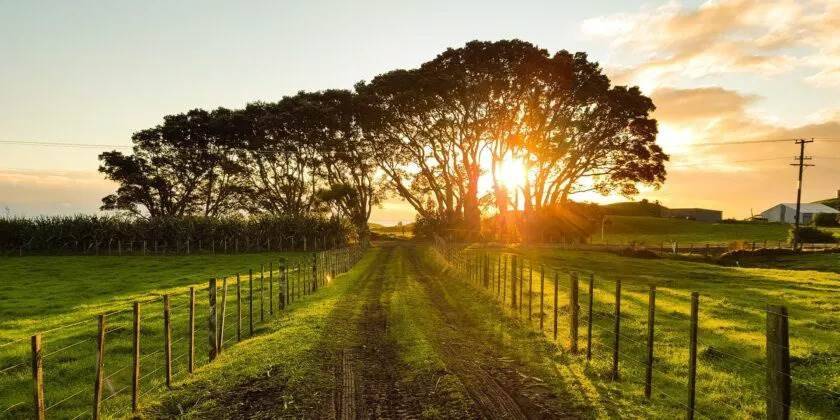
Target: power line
(737,142)
(123,146)
(58,144)
(724,162)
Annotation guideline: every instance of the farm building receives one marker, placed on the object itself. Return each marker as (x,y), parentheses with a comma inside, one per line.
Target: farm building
(701,215)
(786,212)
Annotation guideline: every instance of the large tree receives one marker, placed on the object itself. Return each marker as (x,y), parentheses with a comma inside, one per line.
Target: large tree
(281,159)
(414,144)
(576,133)
(184,166)
(307,154)
(348,166)
(558,114)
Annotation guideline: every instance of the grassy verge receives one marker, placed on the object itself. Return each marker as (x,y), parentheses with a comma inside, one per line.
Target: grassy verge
(732,322)
(655,230)
(280,373)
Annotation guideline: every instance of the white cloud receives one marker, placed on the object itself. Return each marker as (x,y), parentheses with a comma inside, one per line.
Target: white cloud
(673,42)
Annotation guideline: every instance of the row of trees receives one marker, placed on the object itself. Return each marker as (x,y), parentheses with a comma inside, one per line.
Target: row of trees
(302,156)
(426,134)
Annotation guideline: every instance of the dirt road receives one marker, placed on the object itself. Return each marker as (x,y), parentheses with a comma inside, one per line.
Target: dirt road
(374,379)
(402,342)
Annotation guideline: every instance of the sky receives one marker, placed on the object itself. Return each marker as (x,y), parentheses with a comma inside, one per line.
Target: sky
(718,71)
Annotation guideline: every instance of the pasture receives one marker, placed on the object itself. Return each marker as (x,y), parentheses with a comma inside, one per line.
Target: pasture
(430,306)
(731,340)
(61,296)
(653,231)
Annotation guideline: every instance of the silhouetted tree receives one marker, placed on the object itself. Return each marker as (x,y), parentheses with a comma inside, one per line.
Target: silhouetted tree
(347,159)
(558,114)
(280,157)
(183,167)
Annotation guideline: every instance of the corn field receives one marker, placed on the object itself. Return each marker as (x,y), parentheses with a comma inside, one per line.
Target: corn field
(103,235)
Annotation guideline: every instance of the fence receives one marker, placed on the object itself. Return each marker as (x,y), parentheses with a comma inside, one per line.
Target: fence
(698,248)
(111,365)
(224,245)
(668,351)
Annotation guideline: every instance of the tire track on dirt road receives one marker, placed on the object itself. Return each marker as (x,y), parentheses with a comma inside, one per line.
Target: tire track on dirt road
(499,391)
(368,375)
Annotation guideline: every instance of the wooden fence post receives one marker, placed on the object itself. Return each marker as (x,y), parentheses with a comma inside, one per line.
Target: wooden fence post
(250,302)
(135,373)
(211,319)
(530,293)
(314,286)
(238,308)
(649,364)
(778,363)
(616,330)
(286,293)
(498,276)
(573,312)
(167,341)
(222,315)
(298,282)
(281,299)
(100,368)
(271,288)
(38,377)
(504,281)
(513,275)
(542,296)
(486,271)
(556,293)
(692,355)
(521,283)
(262,297)
(191,333)
(589,317)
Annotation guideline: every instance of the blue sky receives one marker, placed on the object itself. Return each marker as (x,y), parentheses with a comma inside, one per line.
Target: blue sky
(95,72)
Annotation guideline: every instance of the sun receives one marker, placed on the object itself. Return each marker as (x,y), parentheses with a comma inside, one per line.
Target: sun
(512,173)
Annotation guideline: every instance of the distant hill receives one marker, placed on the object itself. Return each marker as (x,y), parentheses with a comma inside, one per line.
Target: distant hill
(634,208)
(376,227)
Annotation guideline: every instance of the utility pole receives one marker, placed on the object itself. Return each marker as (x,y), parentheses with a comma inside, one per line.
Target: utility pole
(802,158)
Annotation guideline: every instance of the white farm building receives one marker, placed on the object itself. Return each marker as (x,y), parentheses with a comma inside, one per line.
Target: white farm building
(786,212)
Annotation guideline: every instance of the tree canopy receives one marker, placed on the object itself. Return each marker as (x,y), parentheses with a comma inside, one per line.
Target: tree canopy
(428,135)
(558,114)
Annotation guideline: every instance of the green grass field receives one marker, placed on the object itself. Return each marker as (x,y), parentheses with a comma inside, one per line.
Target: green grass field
(61,296)
(654,230)
(427,314)
(731,332)
(287,367)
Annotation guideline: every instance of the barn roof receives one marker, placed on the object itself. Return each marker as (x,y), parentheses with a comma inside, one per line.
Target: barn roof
(811,208)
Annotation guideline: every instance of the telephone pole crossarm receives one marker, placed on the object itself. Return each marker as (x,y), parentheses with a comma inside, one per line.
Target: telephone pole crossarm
(801,158)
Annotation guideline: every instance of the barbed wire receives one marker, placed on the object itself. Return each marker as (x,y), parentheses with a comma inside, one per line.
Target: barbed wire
(13,367)
(79,392)
(67,347)
(9,408)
